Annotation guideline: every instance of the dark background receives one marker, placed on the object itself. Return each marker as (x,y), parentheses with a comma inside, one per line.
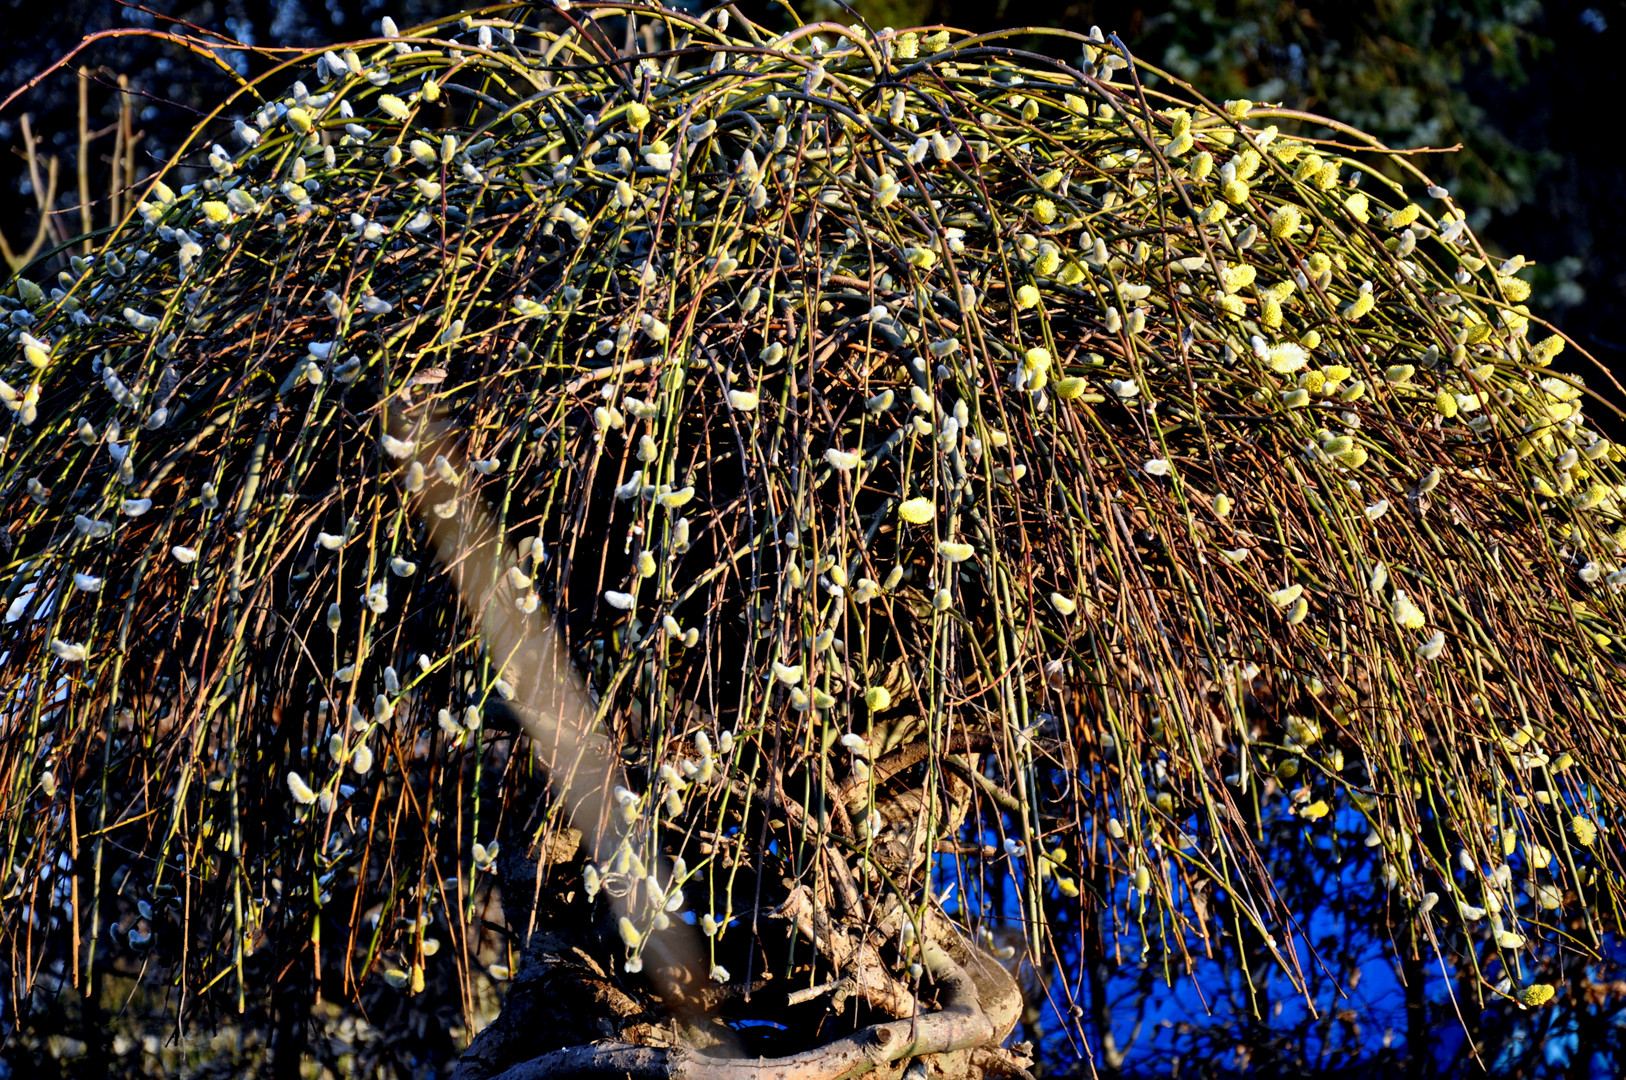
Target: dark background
(1532,91)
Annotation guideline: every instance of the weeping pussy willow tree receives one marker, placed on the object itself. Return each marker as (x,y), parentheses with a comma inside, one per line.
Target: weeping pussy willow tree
(858,533)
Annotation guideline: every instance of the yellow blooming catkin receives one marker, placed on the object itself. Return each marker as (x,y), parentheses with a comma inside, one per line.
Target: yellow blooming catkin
(1404,216)
(1285,222)
(1536,994)
(917,511)
(1515,289)
(1405,613)
(1543,352)
(1286,357)
(1239,276)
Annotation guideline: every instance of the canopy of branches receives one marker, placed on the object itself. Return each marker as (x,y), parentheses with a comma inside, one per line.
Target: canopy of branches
(843,527)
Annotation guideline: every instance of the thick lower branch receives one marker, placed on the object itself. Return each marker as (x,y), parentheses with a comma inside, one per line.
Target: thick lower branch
(958,1026)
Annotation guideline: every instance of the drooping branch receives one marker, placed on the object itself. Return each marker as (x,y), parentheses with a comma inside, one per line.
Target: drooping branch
(981,563)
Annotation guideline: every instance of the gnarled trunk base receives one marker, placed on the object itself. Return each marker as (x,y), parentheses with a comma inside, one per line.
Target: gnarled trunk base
(564,994)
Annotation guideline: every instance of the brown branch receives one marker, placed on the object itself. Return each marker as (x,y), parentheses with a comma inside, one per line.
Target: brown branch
(185,42)
(83,161)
